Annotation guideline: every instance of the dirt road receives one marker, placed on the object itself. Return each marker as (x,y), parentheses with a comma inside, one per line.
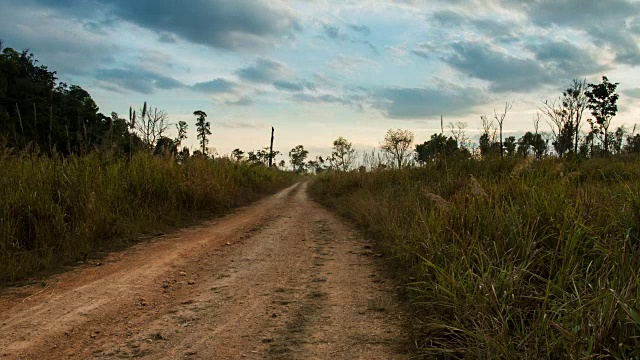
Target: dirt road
(280,279)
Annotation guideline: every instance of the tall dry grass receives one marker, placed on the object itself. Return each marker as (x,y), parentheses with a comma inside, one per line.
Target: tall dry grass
(54,210)
(505,260)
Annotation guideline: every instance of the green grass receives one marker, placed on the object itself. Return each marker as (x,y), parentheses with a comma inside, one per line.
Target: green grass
(522,261)
(55,210)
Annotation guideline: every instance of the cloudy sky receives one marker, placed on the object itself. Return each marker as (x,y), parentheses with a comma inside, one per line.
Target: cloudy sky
(319,69)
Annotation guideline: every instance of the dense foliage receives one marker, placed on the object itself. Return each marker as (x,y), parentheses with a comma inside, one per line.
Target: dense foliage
(36,112)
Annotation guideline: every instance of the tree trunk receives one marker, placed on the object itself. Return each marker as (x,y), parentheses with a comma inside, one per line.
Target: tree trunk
(271,148)
(501,150)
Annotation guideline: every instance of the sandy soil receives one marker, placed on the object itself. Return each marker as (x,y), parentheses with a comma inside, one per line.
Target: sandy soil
(280,279)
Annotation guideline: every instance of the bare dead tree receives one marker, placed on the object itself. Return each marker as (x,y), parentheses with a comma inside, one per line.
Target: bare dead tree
(559,119)
(536,121)
(152,125)
(458,132)
(500,119)
(488,128)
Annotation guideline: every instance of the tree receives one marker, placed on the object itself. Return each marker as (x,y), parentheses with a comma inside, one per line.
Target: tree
(633,142)
(166,147)
(237,155)
(500,119)
(262,156)
(563,142)
(343,154)
(397,144)
(602,99)
(458,133)
(297,157)
(487,141)
(182,132)
(510,145)
(204,129)
(574,100)
(561,122)
(525,143)
(437,148)
(152,125)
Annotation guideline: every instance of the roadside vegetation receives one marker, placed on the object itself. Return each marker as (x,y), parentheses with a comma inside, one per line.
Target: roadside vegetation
(508,258)
(513,248)
(74,180)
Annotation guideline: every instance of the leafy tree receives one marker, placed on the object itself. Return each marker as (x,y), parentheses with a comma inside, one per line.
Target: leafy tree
(532,143)
(574,100)
(618,139)
(525,144)
(343,154)
(540,145)
(438,147)
(297,157)
(510,145)
(487,142)
(39,113)
(182,132)
(237,155)
(397,144)
(261,157)
(166,147)
(564,140)
(633,144)
(602,101)
(203,128)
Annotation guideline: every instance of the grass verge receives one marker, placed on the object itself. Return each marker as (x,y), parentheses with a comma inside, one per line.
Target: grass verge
(54,210)
(508,258)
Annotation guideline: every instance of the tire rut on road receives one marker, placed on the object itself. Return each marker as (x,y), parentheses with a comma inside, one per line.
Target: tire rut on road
(281,279)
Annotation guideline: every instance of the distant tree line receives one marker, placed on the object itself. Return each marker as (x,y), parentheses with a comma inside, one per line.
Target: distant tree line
(40,114)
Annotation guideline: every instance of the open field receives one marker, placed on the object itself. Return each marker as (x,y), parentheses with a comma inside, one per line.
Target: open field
(508,258)
(55,210)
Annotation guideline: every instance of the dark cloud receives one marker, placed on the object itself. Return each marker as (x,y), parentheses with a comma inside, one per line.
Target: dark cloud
(225,24)
(610,23)
(498,30)
(297,86)
(335,33)
(240,125)
(355,101)
(424,50)
(563,57)
(243,101)
(217,86)
(167,38)
(504,72)
(137,80)
(578,12)
(415,103)
(49,38)
(362,29)
(264,71)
